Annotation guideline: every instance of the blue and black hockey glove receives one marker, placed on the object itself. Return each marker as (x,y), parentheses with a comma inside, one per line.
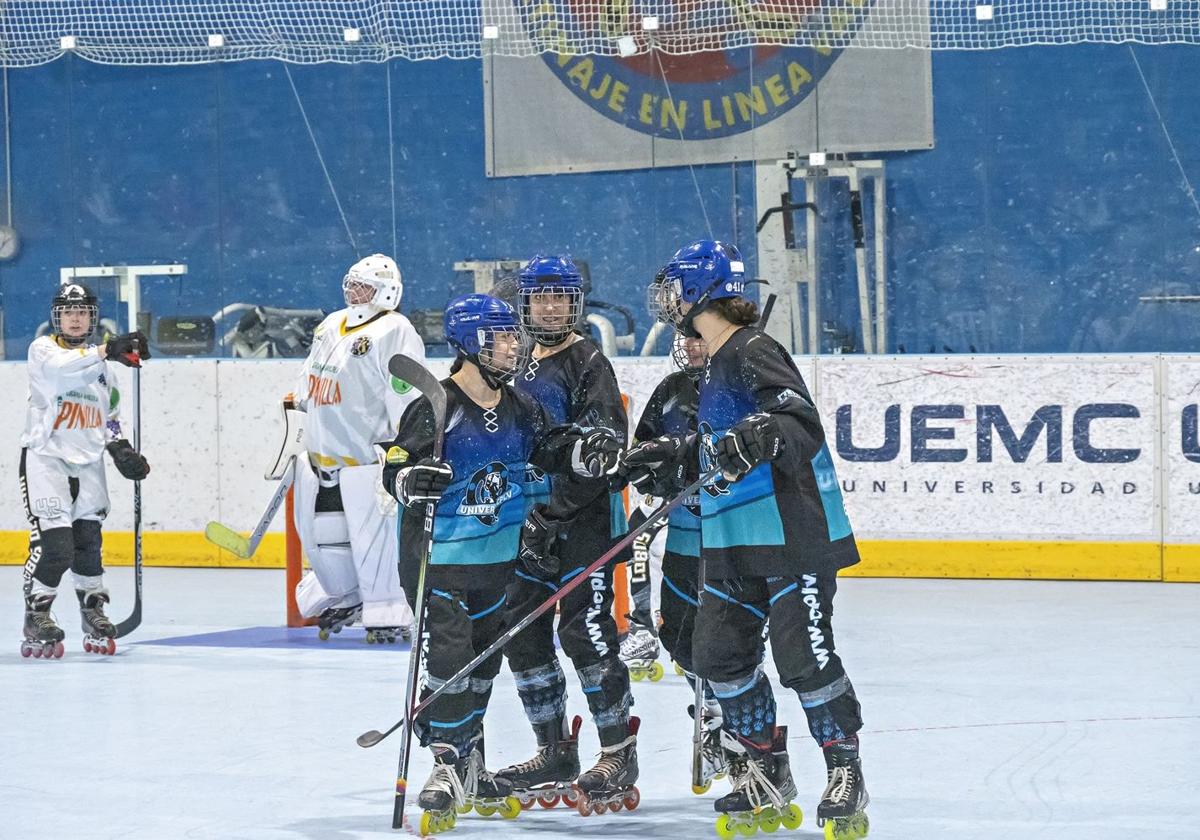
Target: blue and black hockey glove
(535,555)
(128,461)
(751,442)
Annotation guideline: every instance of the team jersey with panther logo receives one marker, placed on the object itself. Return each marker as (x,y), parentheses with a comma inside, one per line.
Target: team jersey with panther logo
(494,453)
(672,410)
(352,401)
(784,515)
(73,402)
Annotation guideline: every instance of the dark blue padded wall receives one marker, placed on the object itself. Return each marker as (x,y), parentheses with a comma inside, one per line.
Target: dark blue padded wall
(1051,202)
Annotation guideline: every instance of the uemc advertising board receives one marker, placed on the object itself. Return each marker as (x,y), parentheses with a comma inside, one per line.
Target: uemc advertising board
(995,448)
(563,112)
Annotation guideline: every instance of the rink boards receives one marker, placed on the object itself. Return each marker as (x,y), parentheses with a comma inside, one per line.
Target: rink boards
(950,466)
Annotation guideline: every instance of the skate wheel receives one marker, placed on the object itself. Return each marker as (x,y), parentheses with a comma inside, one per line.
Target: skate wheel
(526,804)
(323,635)
(480,808)
(510,808)
(599,807)
(583,806)
(633,798)
(678,670)
(87,646)
(636,674)
(57,651)
(26,650)
(724,828)
(792,817)
(770,821)
(747,829)
(427,823)
(571,799)
(656,672)
(700,790)
(112,646)
(615,806)
(547,801)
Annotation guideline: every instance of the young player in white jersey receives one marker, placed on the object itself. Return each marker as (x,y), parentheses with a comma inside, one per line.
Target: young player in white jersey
(71,420)
(347,524)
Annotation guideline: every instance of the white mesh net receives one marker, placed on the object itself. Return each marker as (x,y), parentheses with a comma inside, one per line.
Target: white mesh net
(193,31)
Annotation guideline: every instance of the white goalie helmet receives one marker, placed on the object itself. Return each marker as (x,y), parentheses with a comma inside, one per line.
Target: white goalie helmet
(380,273)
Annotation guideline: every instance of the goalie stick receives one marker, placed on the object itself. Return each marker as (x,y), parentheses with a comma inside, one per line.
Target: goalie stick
(372,737)
(417,375)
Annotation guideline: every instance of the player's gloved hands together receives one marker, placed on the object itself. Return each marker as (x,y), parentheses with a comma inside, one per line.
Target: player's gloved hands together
(597,453)
(655,467)
(128,461)
(130,349)
(750,442)
(535,556)
(423,482)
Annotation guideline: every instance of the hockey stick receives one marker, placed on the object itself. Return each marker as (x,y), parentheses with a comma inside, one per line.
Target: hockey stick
(698,780)
(860,262)
(244,547)
(417,375)
(135,618)
(372,737)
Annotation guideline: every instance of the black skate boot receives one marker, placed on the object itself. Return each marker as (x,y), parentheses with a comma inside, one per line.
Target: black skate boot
(99,634)
(609,786)
(43,638)
(717,749)
(443,793)
(485,791)
(841,808)
(546,778)
(335,618)
(639,651)
(763,790)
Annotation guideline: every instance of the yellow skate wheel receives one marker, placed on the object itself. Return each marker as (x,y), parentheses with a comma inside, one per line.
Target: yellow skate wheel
(700,790)
(770,821)
(428,823)
(863,826)
(323,635)
(481,809)
(724,829)
(678,670)
(636,674)
(792,817)
(656,672)
(510,809)
(464,808)
(748,829)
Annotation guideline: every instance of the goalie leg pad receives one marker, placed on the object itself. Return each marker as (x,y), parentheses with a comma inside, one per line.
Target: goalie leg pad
(326,541)
(371,523)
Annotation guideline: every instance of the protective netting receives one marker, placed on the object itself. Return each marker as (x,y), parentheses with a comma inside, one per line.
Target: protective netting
(181,31)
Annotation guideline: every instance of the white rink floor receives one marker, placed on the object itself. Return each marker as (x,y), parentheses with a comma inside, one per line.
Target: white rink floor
(994,710)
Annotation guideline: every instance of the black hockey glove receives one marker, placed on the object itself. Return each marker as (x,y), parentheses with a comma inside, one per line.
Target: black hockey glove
(128,461)
(656,467)
(130,349)
(423,482)
(535,556)
(752,441)
(597,453)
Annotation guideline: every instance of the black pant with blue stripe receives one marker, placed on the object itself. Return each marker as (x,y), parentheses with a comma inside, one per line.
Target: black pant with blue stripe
(459,624)
(727,645)
(678,604)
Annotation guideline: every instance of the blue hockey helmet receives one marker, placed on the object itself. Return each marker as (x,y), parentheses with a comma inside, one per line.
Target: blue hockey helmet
(550,297)
(475,327)
(698,274)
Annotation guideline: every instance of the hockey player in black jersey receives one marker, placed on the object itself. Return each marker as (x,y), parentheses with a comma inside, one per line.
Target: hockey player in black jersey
(774,534)
(574,382)
(495,436)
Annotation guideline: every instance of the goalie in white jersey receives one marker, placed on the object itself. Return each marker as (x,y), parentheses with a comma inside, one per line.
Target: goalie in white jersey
(72,418)
(347,524)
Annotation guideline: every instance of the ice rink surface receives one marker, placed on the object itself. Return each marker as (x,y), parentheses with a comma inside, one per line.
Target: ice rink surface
(994,710)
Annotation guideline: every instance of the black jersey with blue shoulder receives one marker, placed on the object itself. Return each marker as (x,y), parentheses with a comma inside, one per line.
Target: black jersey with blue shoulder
(671,410)
(477,522)
(784,516)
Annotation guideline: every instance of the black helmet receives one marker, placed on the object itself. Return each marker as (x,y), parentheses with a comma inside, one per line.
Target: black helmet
(74,296)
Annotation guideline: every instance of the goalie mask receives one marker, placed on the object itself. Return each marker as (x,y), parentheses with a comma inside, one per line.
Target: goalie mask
(70,302)
(372,285)
(550,299)
(486,331)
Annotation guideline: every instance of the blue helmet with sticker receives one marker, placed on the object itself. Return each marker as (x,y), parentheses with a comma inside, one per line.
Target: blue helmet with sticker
(485,330)
(550,299)
(698,274)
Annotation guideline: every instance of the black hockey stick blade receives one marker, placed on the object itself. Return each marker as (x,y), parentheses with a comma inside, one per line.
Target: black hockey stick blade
(373,736)
(412,372)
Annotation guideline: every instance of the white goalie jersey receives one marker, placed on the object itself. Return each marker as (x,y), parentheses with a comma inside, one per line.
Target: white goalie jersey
(351,400)
(73,402)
